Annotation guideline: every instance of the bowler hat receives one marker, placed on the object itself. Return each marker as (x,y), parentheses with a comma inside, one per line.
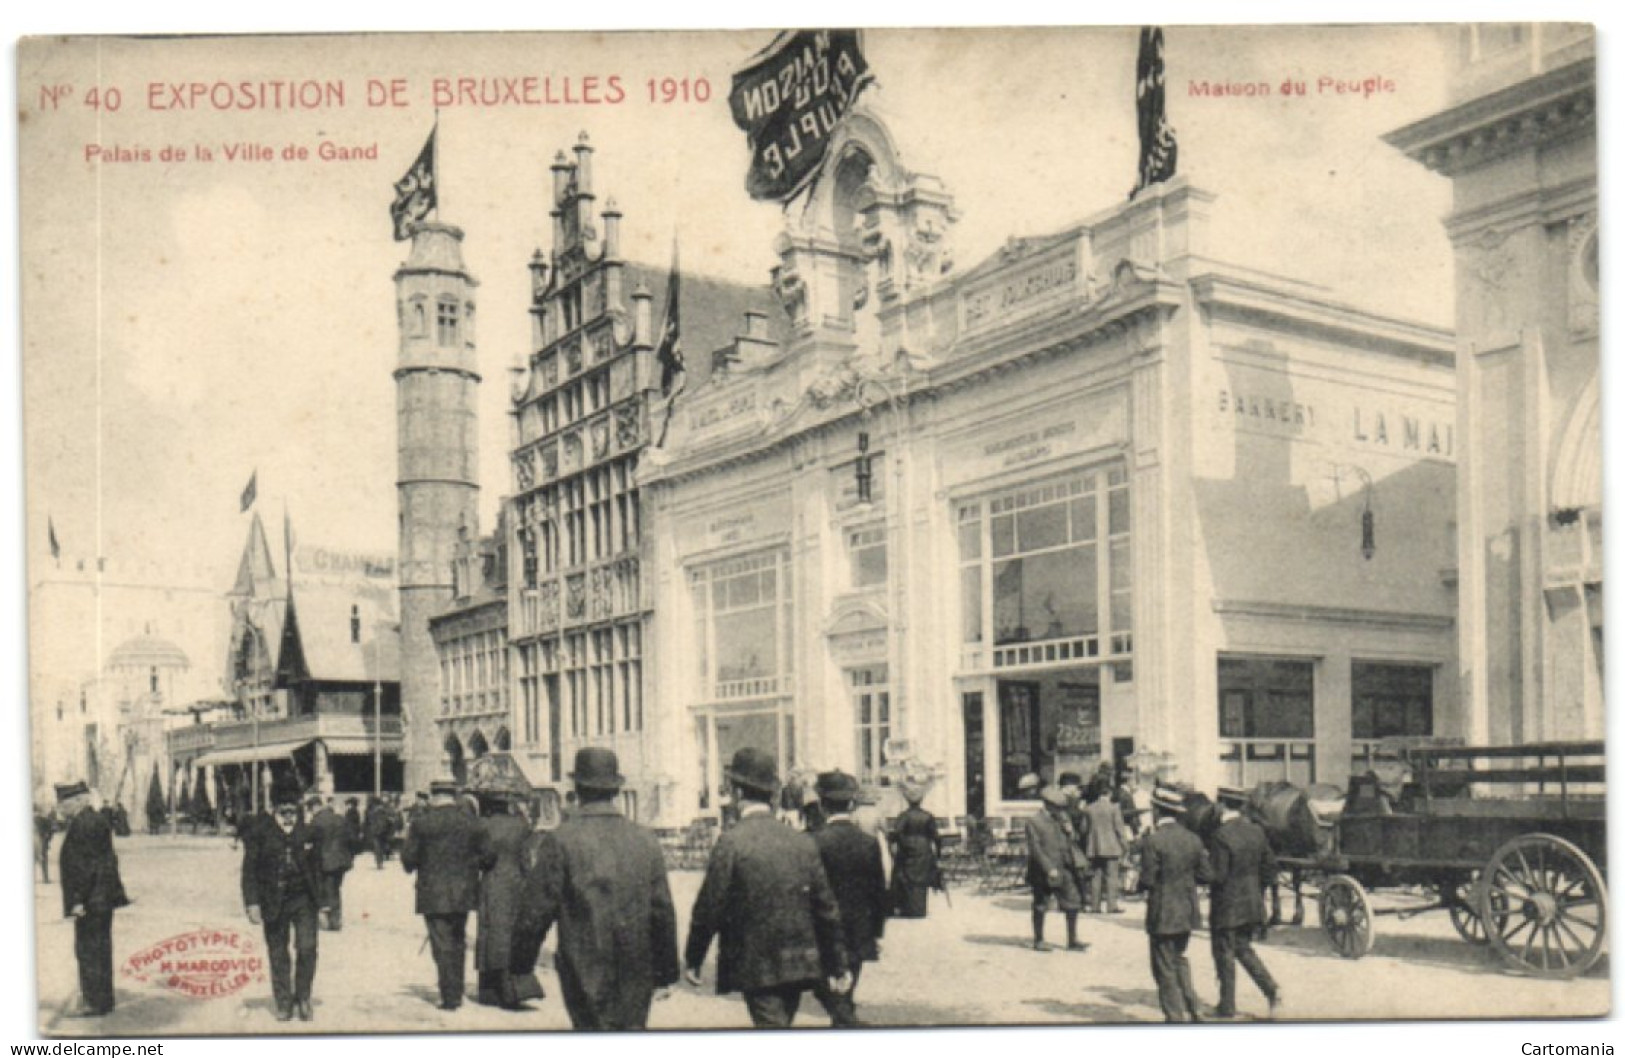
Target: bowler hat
(284,791)
(1069,778)
(1030,781)
(66,791)
(754,769)
(837,786)
(597,769)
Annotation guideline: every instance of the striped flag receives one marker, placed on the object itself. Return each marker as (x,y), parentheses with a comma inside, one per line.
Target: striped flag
(1159,151)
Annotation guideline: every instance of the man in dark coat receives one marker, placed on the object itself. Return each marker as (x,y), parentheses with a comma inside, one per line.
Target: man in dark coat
(502,890)
(283,889)
(1172,862)
(766,894)
(858,878)
(1052,863)
(91,892)
(448,849)
(353,829)
(1071,784)
(338,856)
(602,878)
(1242,866)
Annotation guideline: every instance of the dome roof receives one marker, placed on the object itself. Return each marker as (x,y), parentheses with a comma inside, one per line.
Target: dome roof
(148,651)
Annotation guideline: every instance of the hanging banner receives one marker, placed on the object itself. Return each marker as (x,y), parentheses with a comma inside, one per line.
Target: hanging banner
(790,100)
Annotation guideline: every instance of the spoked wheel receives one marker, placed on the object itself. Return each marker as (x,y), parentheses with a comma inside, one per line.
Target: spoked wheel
(1345,915)
(1462,899)
(1544,906)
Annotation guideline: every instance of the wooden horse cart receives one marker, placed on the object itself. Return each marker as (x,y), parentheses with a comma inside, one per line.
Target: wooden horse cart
(1511,841)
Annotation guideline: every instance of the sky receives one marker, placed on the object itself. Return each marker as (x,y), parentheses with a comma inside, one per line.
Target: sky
(190,323)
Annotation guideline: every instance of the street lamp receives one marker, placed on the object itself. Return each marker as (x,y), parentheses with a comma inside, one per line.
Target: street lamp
(1368,520)
(864,471)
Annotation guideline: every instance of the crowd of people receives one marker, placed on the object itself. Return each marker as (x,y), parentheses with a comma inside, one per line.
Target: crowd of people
(793,902)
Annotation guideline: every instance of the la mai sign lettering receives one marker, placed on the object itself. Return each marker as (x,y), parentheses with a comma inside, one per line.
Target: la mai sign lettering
(1367,426)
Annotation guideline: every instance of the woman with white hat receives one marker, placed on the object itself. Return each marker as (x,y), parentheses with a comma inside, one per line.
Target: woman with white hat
(916,845)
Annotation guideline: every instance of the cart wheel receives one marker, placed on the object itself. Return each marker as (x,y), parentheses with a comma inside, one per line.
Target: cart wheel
(1544,906)
(1462,898)
(1345,915)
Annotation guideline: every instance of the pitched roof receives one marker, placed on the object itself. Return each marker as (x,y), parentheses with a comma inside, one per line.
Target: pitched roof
(712,312)
(319,642)
(255,569)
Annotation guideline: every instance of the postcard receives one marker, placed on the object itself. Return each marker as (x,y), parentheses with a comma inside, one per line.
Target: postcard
(871,528)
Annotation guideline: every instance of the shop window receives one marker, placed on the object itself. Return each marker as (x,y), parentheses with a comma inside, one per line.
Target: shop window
(866,553)
(1266,720)
(1020,737)
(1388,701)
(742,611)
(1045,565)
(871,704)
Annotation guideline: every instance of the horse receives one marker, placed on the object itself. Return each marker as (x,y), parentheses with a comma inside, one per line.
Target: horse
(1292,828)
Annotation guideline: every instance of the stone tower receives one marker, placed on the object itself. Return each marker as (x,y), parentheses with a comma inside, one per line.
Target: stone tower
(437,447)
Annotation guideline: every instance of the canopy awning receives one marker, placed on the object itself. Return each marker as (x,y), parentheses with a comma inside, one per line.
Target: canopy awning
(245,754)
(360,746)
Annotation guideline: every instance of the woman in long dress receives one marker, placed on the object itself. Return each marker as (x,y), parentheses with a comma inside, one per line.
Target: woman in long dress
(915,848)
(501,893)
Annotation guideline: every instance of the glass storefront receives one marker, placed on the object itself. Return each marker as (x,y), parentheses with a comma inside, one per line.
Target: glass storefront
(1045,573)
(742,621)
(1048,724)
(1266,720)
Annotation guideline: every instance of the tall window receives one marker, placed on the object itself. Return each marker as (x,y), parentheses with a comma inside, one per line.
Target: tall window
(742,609)
(529,697)
(445,318)
(871,704)
(866,552)
(629,675)
(1049,564)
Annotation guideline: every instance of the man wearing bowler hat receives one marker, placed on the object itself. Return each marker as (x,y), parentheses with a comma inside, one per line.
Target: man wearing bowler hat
(282,888)
(602,878)
(448,849)
(1052,866)
(858,877)
(91,892)
(766,894)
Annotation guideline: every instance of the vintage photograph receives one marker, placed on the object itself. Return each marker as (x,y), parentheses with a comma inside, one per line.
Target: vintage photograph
(827,527)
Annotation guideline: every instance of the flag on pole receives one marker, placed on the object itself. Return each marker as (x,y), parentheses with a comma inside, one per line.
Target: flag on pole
(415,192)
(789,100)
(669,350)
(1159,151)
(50,530)
(251,490)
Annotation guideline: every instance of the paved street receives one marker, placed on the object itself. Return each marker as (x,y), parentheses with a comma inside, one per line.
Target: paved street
(966,964)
